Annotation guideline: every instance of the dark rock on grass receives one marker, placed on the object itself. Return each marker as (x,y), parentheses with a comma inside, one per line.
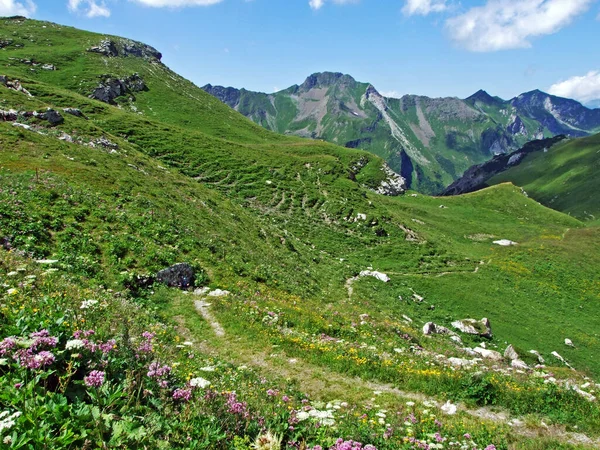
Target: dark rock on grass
(106,48)
(111,87)
(74,112)
(125,47)
(181,276)
(51,115)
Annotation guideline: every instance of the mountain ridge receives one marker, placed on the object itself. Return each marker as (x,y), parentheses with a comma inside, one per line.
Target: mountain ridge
(430,141)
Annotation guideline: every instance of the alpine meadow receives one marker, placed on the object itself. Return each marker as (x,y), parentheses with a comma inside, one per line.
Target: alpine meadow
(322,268)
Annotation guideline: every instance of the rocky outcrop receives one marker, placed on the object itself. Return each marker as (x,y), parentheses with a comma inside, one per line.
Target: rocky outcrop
(52,116)
(181,276)
(110,88)
(393,185)
(488,354)
(15,85)
(476,177)
(511,353)
(125,47)
(477,327)
(74,112)
(517,127)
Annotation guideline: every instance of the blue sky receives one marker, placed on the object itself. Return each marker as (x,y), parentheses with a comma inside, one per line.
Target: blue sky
(429,47)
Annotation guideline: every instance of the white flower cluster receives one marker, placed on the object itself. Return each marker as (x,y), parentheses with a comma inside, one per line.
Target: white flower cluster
(199,382)
(323,416)
(7,420)
(86,304)
(74,344)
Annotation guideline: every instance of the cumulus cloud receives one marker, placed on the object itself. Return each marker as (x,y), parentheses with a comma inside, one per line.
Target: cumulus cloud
(14,8)
(89,8)
(424,7)
(509,24)
(317,4)
(585,88)
(176,3)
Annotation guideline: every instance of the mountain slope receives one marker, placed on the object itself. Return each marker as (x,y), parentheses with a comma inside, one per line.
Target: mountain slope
(431,142)
(289,226)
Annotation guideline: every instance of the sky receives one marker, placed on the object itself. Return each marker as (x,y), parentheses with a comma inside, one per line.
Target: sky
(427,47)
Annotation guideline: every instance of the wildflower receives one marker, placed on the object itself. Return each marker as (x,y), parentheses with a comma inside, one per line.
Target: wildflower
(490,447)
(267,441)
(157,371)
(7,440)
(87,304)
(94,379)
(410,404)
(7,420)
(74,344)
(12,291)
(272,393)
(285,399)
(182,394)
(467,436)
(207,368)
(18,385)
(199,382)
(7,344)
(3,362)
(108,346)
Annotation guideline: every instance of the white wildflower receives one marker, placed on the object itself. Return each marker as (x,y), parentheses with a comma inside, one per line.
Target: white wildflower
(207,369)
(74,344)
(8,421)
(12,274)
(449,408)
(12,291)
(3,362)
(199,382)
(410,404)
(86,304)
(302,415)
(188,343)
(7,440)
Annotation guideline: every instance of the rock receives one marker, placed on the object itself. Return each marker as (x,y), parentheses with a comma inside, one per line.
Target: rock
(5,43)
(15,85)
(471,326)
(22,125)
(511,353)
(406,318)
(51,116)
(456,339)
(202,291)
(3,80)
(518,364)
(111,88)
(569,342)
(48,67)
(106,48)
(505,243)
(539,356)
(218,293)
(74,112)
(431,328)
(179,275)
(460,362)
(488,354)
(393,185)
(370,273)
(8,116)
(108,90)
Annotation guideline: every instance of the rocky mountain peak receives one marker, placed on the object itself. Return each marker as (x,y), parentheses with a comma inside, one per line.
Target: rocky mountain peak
(326,79)
(482,97)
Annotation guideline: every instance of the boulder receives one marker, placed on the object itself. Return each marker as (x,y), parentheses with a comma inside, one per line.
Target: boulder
(505,243)
(393,184)
(569,342)
(370,273)
(108,90)
(3,80)
(511,353)
(477,327)
(181,276)
(488,354)
(50,115)
(539,356)
(518,364)
(8,116)
(460,362)
(74,112)
(431,328)
(48,67)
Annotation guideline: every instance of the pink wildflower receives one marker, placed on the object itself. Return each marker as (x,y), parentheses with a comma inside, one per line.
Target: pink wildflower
(94,379)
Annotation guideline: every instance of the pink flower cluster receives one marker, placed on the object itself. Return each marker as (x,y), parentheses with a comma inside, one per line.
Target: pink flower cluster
(94,379)
(236,407)
(182,394)
(104,347)
(146,346)
(32,357)
(341,444)
(159,373)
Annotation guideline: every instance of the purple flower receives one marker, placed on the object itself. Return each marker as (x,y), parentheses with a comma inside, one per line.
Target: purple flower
(27,358)
(491,447)
(94,379)
(285,399)
(6,345)
(157,371)
(182,394)
(107,347)
(467,436)
(236,407)
(272,393)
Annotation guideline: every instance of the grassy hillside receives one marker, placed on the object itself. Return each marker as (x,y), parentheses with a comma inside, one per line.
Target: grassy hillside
(286,225)
(563,178)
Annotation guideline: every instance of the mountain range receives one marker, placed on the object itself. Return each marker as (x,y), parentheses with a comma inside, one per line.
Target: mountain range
(429,141)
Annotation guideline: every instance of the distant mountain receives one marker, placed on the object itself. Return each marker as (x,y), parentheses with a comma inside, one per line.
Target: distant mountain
(429,141)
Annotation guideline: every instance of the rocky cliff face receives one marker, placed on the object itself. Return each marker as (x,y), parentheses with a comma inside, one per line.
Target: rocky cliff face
(430,141)
(476,177)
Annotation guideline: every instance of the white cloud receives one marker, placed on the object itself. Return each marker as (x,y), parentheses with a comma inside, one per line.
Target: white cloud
(89,8)
(14,8)
(424,7)
(176,3)
(391,94)
(585,89)
(317,4)
(508,24)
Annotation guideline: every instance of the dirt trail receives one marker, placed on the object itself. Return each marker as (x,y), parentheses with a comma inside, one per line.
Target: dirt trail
(320,383)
